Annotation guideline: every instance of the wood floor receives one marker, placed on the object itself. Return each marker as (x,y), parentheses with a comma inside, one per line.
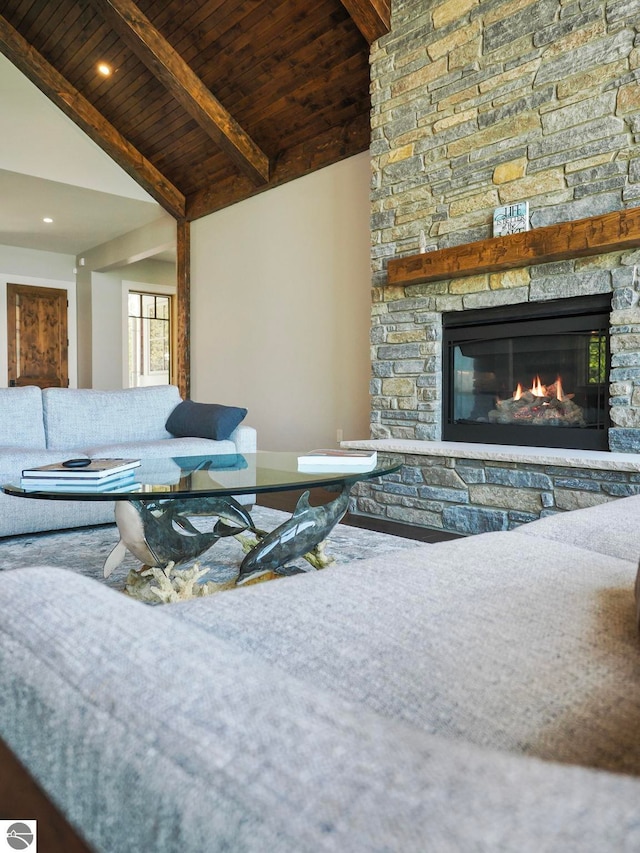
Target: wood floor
(287,501)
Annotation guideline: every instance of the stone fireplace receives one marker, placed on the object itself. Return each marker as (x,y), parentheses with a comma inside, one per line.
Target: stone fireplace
(478,104)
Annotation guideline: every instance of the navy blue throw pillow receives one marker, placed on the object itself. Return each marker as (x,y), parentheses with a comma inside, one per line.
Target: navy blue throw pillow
(204,420)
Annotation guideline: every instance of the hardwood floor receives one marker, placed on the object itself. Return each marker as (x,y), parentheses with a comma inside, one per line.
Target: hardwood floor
(287,500)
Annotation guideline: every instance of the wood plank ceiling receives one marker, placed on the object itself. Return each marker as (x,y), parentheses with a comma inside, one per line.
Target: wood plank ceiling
(209,101)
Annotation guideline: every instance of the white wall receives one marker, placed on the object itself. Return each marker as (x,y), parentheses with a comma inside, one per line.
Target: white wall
(108,334)
(104,274)
(109,319)
(40,269)
(280,308)
(43,265)
(133,247)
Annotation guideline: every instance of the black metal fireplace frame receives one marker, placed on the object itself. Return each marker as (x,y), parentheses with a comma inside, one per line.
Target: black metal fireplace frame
(574,314)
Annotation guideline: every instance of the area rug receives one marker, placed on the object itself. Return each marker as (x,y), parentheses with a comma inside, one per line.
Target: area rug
(84,550)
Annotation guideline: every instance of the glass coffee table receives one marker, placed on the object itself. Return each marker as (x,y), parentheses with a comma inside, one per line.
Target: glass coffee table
(153,514)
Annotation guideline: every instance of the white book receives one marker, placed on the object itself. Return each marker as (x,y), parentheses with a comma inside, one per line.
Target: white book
(103,483)
(97,469)
(128,485)
(337,460)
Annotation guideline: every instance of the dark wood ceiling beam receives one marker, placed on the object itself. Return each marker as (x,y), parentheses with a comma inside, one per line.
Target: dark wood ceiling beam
(186,87)
(333,145)
(372,17)
(34,66)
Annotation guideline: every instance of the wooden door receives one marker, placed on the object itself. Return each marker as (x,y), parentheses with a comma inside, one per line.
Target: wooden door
(37,336)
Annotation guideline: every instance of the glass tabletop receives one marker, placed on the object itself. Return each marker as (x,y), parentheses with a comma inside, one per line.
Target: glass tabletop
(210,476)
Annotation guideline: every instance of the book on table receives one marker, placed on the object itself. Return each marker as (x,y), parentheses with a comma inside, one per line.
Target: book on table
(111,486)
(98,470)
(337,460)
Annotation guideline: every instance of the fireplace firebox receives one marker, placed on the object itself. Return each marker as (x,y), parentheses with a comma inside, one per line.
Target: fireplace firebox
(532,374)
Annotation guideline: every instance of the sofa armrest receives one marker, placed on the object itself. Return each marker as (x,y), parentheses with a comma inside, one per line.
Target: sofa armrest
(245,439)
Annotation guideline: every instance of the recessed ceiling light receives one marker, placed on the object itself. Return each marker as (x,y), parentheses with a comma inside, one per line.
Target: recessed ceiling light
(104,69)
(47,219)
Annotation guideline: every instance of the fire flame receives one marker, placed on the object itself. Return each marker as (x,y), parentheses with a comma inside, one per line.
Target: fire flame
(548,405)
(540,390)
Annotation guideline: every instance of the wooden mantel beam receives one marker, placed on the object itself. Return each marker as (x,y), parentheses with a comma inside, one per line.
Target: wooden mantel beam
(595,235)
(372,17)
(76,107)
(187,88)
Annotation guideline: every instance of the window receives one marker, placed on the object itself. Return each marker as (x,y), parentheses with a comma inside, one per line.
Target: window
(149,339)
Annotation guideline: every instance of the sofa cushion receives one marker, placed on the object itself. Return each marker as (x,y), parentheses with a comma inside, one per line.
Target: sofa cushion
(164,448)
(86,417)
(499,639)
(205,420)
(21,418)
(609,528)
(155,735)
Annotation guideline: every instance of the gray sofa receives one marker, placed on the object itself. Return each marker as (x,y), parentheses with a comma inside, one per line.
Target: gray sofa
(481,694)
(38,427)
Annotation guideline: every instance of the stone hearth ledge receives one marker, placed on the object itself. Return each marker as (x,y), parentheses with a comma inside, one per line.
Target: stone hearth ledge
(561,456)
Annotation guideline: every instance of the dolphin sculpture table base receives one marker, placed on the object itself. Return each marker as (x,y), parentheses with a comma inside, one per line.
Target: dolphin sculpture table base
(159,532)
(299,535)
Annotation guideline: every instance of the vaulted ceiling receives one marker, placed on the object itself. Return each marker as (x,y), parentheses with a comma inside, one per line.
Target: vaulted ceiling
(208,101)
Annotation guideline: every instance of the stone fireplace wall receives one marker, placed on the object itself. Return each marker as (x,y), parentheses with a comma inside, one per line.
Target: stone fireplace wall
(479,103)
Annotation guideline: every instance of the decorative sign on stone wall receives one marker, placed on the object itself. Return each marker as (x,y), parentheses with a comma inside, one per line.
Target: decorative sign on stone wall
(511,219)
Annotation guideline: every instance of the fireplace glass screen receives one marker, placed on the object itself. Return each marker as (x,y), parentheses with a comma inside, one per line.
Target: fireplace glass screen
(539,378)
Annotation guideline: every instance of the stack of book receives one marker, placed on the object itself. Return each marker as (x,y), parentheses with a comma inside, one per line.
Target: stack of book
(318,461)
(97,475)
